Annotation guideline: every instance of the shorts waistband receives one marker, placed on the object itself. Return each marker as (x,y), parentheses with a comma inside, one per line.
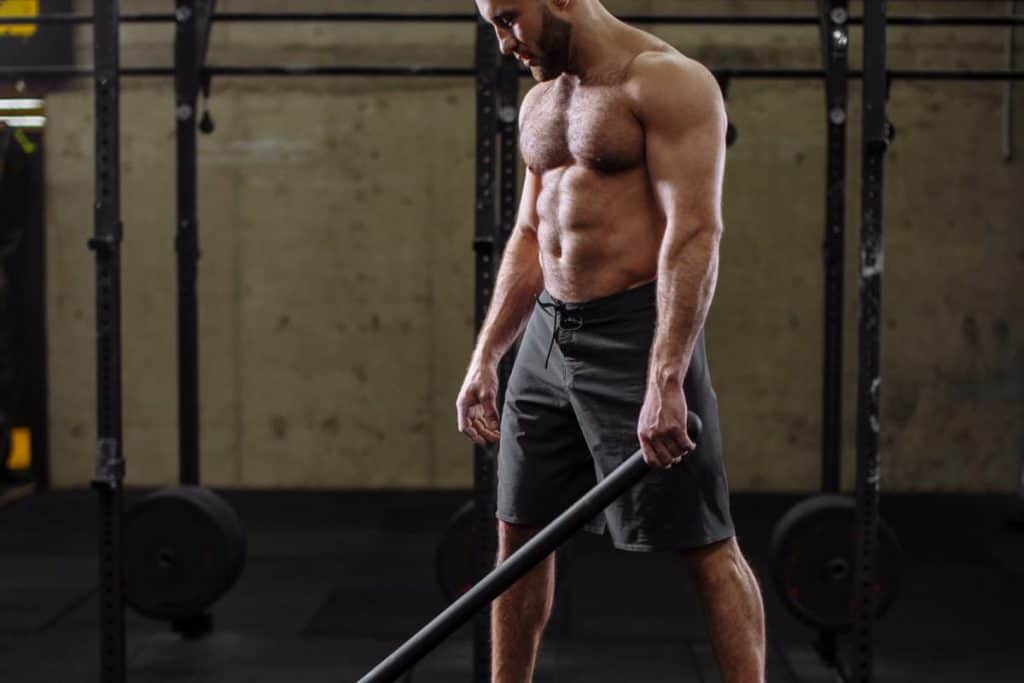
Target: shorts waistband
(572,315)
(624,301)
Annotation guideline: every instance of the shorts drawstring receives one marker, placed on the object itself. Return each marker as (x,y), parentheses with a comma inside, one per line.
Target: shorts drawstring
(559,315)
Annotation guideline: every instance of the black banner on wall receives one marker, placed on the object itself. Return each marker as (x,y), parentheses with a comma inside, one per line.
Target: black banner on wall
(23,374)
(35,44)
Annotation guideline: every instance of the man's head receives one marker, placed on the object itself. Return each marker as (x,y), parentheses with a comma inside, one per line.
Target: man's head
(538,32)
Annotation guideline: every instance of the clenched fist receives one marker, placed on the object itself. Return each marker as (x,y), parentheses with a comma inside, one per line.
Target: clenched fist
(662,427)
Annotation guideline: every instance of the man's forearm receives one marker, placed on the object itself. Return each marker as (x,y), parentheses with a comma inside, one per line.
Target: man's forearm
(519,280)
(687,276)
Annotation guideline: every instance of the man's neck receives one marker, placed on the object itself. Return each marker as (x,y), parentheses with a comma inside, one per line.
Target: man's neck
(594,30)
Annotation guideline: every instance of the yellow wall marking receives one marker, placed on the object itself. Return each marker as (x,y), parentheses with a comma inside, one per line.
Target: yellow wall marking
(21,449)
(18,8)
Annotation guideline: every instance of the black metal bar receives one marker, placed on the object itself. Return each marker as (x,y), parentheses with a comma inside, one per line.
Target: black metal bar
(508,129)
(836,42)
(315,70)
(893,74)
(876,136)
(351,17)
(964,21)
(106,243)
(1008,94)
(205,9)
(953,75)
(14,73)
(465,17)
(678,19)
(518,564)
(204,23)
(186,91)
(11,73)
(485,245)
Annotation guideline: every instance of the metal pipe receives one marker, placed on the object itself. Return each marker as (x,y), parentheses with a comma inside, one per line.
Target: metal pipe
(518,564)
(314,70)
(10,73)
(465,17)
(1008,93)
(835,43)
(875,139)
(108,480)
(487,257)
(21,72)
(186,234)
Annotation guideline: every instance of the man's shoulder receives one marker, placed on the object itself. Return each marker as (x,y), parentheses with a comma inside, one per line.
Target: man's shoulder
(659,79)
(655,70)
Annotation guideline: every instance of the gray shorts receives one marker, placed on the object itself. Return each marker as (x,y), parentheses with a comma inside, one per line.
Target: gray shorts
(570,418)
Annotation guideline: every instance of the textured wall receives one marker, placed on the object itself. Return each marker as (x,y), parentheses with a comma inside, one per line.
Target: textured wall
(336,279)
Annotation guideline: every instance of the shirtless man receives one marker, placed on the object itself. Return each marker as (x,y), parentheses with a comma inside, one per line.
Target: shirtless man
(611,270)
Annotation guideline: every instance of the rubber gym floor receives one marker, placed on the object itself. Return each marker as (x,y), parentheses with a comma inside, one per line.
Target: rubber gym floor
(335,581)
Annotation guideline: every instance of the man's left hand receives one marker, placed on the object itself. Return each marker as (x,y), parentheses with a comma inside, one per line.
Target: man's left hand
(662,426)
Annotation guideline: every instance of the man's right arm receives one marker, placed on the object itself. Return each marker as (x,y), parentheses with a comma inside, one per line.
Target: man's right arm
(519,281)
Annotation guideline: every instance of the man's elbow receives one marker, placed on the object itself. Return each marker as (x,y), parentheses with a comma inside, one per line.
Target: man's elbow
(714,228)
(703,232)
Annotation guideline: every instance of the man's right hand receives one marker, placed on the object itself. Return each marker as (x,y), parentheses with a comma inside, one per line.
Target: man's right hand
(477,405)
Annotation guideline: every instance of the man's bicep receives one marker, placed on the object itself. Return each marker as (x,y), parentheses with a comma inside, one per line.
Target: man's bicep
(685,133)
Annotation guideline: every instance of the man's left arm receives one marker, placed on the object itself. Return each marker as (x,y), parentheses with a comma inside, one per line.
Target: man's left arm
(683,113)
(685,124)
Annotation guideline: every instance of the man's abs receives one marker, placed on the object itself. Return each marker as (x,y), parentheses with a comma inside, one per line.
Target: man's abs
(598,233)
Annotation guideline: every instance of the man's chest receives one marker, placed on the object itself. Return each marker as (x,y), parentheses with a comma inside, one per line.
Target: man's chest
(591,126)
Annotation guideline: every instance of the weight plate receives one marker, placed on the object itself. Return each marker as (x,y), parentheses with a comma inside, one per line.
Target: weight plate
(813,560)
(184,548)
(237,542)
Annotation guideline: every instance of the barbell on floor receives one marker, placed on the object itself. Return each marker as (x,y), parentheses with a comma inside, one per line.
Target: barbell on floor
(517,565)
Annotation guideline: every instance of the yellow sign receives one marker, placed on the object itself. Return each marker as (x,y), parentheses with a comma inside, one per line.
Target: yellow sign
(18,8)
(21,449)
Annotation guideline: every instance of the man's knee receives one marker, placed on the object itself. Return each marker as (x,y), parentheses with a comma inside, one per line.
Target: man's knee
(512,537)
(721,561)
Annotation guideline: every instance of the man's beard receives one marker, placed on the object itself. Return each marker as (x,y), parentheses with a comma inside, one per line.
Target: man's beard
(555,37)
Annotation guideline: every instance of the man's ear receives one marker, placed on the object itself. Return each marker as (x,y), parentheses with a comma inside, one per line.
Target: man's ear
(562,4)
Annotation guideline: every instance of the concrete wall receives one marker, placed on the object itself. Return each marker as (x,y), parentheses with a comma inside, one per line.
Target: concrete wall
(336,279)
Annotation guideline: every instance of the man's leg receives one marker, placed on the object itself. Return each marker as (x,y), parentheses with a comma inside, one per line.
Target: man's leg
(520,614)
(733,609)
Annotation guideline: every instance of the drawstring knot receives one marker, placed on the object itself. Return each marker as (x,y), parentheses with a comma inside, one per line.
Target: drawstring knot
(560,321)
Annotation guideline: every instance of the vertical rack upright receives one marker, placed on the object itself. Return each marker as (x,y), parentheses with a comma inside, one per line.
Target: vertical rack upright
(108,478)
(186,240)
(835,45)
(485,244)
(876,137)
